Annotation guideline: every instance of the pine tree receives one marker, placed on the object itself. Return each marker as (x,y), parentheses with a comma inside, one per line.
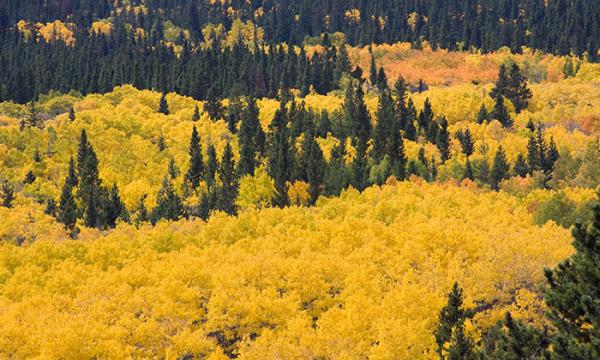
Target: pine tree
(33,115)
(520,168)
(229,184)
(450,321)
(161,143)
(196,115)
(395,152)
(88,190)
(360,166)
(513,339)
(573,296)
(468,174)
(500,169)
(212,166)
(385,123)
(442,140)
(500,113)
(172,169)
(382,80)
(50,207)
(503,83)
(466,143)
(196,169)
(163,106)
(7,194)
(425,117)
(72,177)
(336,175)
(324,126)
(29,178)
(372,70)
(280,160)
(461,346)
(410,131)
(71,114)
(342,62)
(212,105)
(116,208)
(67,208)
(169,205)
(251,139)
(313,161)
(519,94)
(483,115)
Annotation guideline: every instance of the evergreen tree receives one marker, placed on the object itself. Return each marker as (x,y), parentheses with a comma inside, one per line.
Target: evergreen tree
(395,152)
(229,184)
(500,169)
(425,117)
(212,105)
(196,169)
(385,124)
(512,339)
(163,106)
(29,178)
(519,94)
(280,159)
(442,140)
(468,174)
(410,131)
(372,69)
(483,115)
(67,208)
(71,114)
(72,177)
(336,175)
(503,83)
(251,139)
(530,125)
(450,322)
(483,174)
(382,81)
(161,143)
(7,194)
(466,143)
(196,115)
(324,126)
(313,161)
(360,166)
(520,168)
(116,208)
(342,62)
(573,296)
(33,115)
(461,345)
(169,205)
(500,113)
(212,166)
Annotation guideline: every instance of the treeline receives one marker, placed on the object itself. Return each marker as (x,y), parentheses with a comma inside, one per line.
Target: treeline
(571,297)
(557,26)
(98,63)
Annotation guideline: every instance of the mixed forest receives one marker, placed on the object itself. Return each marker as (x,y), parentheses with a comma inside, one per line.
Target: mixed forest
(387,179)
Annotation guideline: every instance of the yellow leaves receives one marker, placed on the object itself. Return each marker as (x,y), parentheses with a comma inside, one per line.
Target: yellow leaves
(352,16)
(298,193)
(101,27)
(256,192)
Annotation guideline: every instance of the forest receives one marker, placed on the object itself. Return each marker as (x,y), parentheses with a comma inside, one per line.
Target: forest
(272,179)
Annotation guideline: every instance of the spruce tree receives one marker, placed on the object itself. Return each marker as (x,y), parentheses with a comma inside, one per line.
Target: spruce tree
(33,115)
(483,115)
(500,113)
(382,80)
(442,140)
(461,346)
(196,115)
(395,152)
(72,114)
(385,123)
(372,69)
(161,143)
(450,322)
(212,105)
(212,166)
(313,161)
(163,106)
(29,178)
(425,117)
(410,131)
(468,174)
(360,166)
(169,205)
(251,139)
(196,169)
(67,208)
(500,169)
(7,194)
(336,174)
(280,160)
(115,208)
(513,339)
(324,126)
(520,168)
(466,143)
(573,296)
(229,184)
(519,94)
(172,169)
(72,177)
(503,83)
(342,62)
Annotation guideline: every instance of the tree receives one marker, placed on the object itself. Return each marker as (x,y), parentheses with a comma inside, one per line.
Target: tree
(163,106)
(360,166)
(520,168)
(116,208)
(196,169)
(500,112)
(67,208)
(72,177)
(500,169)
(468,174)
(196,115)
(461,346)
(29,178)
(7,194)
(450,323)
(212,105)
(251,139)
(71,114)
(573,295)
(410,131)
(372,69)
(503,83)
(425,117)
(313,161)
(385,123)
(162,145)
(467,144)
(229,183)
(483,115)
(512,339)
(280,157)
(519,94)
(169,205)
(442,140)
(33,115)
(212,166)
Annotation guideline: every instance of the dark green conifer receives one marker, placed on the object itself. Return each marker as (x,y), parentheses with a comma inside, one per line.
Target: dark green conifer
(163,106)
(196,169)
(520,168)
(500,169)
(229,184)
(483,115)
(72,114)
(501,114)
(169,205)
(442,140)
(450,322)
(67,208)
(196,115)
(466,143)
(29,178)
(7,194)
